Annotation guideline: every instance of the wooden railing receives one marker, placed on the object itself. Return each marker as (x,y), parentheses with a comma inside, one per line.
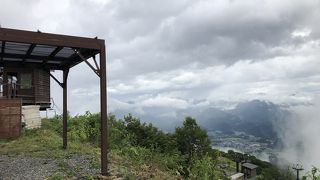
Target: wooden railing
(12,91)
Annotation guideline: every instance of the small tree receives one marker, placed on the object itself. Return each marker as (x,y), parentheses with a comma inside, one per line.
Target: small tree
(145,135)
(192,140)
(313,174)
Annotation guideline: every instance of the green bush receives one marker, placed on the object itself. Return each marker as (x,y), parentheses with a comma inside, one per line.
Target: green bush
(118,135)
(85,128)
(314,174)
(205,169)
(54,124)
(147,136)
(192,141)
(186,152)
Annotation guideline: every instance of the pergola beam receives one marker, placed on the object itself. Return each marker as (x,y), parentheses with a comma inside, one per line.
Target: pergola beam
(29,64)
(33,57)
(30,37)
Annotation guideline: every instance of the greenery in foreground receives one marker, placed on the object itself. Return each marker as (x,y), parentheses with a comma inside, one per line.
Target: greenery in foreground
(137,150)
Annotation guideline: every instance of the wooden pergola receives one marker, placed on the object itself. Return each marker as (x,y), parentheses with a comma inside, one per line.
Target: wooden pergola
(46,51)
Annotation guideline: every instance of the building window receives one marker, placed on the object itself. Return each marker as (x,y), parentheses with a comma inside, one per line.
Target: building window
(26,81)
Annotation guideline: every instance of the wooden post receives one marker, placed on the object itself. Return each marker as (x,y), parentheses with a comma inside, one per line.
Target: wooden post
(65,107)
(103,104)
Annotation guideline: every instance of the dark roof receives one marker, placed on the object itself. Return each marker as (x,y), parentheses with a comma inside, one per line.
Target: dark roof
(49,51)
(249,165)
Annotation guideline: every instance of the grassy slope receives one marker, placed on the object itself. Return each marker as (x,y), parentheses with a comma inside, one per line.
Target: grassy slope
(127,161)
(44,143)
(131,163)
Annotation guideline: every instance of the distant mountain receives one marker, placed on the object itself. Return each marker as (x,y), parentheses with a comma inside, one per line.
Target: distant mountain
(213,119)
(256,117)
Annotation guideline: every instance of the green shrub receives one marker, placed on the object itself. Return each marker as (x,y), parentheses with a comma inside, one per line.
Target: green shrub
(117,133)
(314,174)
(192,141)
(54,124)
(147,136)
(205,169)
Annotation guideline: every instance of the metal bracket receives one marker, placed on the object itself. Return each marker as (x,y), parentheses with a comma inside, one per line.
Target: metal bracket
(53,77)
(95,62)
(97,71)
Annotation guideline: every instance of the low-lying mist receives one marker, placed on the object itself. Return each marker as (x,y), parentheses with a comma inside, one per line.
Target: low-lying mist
(300,135)
(297,126)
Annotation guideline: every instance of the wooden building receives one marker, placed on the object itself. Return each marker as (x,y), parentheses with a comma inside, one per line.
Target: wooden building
(32,85)
(35,53)
(249,170)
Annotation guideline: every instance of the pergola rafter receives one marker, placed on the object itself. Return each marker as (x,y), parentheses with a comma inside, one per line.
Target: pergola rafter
(32,46)
(58,52)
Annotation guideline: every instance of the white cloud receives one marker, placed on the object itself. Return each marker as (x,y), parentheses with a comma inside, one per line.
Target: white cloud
(160,101)
(185,50)
(301,33)
(275,79)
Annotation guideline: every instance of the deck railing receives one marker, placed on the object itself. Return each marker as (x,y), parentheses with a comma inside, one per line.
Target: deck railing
(13,91)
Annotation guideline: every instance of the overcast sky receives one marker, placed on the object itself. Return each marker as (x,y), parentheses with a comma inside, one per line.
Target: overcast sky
(184,53)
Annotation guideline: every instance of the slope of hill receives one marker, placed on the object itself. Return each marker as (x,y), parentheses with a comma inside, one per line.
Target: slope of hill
(38,154)
(137,151)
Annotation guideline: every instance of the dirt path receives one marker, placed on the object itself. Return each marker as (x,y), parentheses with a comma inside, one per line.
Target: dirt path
(24,167)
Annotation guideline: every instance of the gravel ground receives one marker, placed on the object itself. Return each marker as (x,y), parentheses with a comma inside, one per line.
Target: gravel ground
(24,167)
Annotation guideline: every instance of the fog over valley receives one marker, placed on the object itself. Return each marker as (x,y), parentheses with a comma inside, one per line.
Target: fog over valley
(248,71)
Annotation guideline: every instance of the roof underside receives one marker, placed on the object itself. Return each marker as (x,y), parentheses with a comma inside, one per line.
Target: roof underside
(249,165)
(42,50)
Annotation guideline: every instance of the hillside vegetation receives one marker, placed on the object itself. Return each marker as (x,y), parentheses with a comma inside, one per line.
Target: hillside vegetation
(136,150)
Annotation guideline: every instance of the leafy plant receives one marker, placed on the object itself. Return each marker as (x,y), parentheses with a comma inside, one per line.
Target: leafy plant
(192,141)
(314,174)
(205,169)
